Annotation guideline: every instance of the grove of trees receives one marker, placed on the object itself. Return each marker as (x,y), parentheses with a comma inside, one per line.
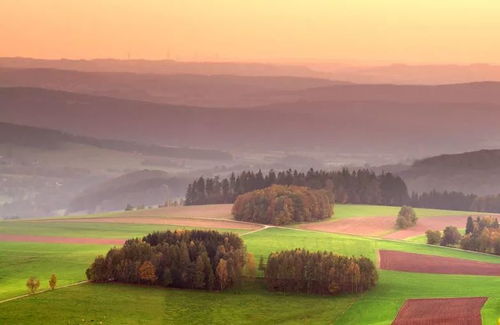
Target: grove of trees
(282,204)
(192,259)
(322,273)
(344,186)
(482,234)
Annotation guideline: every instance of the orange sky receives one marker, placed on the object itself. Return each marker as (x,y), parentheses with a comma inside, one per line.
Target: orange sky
(368,31)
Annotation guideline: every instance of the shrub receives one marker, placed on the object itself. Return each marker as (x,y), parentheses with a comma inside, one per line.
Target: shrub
(433,237)
(406,218)
(280,205)
(451,236)
(183,259)
(33,284)
(319,273)
(53,281)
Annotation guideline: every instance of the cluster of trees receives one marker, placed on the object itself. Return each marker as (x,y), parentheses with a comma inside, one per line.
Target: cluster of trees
(481,234)
(456,201)
(33,284)
(282,204)
(183,259)
(319,272)
(345,186)
(406,218)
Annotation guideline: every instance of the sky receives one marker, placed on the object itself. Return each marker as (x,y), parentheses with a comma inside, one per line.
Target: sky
(348,31)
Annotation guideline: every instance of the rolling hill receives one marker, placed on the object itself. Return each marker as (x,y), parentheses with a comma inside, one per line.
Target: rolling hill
(372,127)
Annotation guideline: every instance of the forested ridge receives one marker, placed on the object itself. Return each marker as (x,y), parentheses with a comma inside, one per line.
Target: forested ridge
(361,186)
(344,186)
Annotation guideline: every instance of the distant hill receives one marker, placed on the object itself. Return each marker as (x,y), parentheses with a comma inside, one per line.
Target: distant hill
(184,89)
(53,140)
(475,172)
(166,67)
(373,127)
(145,187)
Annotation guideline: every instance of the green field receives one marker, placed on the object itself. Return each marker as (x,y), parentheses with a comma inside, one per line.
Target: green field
(19,261)
(88,229)
(95,303)
(343,211)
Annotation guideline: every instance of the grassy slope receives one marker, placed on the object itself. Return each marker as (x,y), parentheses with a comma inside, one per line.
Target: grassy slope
(254,304)
(18,261)
(88,229)
(106,303)
(343,211)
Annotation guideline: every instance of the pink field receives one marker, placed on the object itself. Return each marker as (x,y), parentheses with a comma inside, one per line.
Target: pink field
(384,226)
(210,211)
(59,240)
(189,222)
(419,263)
(441,311)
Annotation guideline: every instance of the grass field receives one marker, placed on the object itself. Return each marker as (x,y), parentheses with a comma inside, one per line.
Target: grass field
(95,303)
(88,229)
(343,211)
(19,261)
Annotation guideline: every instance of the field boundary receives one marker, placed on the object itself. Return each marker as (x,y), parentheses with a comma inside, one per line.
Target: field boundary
(42,291)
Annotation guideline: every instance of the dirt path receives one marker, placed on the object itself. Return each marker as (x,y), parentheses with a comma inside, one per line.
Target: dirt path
(59,240)
(42,291)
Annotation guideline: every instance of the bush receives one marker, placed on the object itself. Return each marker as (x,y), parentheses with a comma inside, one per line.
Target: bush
(406,218)
(433,237)
(319,273)
(451,236)
(183,259)
(32,284)
(280,205)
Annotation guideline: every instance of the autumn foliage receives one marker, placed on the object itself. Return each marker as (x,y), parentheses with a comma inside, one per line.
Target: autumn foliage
(319,272)
(183,259)
(280,205)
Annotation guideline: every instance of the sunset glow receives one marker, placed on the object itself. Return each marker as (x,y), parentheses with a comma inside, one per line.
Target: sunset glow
(384,31)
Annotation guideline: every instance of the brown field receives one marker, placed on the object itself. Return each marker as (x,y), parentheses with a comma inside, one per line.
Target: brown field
(433,223)
(215,211)
(59,240)
(384,226)
(189,222)
(419,263)
(441,311)
(365,226)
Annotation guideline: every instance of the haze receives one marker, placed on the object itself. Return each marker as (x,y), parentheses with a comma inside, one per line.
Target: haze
(349,31)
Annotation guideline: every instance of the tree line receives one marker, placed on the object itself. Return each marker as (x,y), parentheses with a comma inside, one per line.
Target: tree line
(282,204)
(193,259)
(322,273)
(482,234)
(344,186)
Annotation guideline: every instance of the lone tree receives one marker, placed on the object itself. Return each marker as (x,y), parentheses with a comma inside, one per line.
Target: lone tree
(451,236)
(406,218)
(52,281)
(433,237)
(33,284)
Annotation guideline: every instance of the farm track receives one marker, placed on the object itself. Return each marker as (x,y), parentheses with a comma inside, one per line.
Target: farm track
(42,291)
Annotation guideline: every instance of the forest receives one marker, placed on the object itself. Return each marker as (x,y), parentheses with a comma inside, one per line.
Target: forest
(322,273)
(345,186)
(282,204)
(193,259)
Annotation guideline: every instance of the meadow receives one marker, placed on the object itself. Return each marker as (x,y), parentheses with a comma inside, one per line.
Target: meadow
(95,303)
